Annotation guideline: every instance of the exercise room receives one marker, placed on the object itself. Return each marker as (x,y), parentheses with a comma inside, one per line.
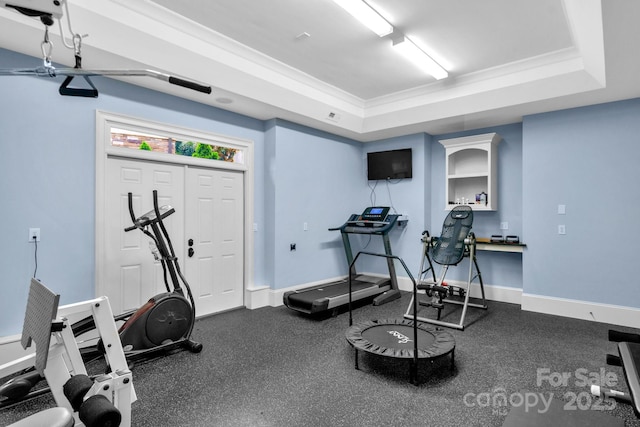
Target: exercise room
(319,213)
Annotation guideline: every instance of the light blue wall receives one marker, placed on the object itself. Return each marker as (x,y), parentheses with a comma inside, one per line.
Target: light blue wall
(587,159)
(583,158)
(320,179)
(312,180)
(407,196)
(503,269)
(47,177)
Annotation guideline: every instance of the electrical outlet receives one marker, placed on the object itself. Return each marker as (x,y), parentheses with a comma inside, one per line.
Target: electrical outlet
(562,229)
(504,225)
(34,235)
(292,247)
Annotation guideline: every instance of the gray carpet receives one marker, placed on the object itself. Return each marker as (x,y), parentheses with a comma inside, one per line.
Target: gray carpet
(276,367)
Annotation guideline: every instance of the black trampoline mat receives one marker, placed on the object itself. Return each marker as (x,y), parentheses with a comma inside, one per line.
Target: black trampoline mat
(395,338)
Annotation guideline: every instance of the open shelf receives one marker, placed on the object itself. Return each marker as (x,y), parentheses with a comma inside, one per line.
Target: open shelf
(471,170)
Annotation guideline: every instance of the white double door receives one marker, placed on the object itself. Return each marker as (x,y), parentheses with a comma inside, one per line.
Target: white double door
(206,232)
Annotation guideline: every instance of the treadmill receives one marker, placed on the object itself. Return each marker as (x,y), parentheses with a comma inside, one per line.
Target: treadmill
(374,220)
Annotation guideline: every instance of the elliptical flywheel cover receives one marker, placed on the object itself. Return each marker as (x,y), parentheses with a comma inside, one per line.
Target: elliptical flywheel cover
(169,319)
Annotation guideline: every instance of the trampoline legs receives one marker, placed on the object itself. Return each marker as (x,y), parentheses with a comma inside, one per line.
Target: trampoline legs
(413,372)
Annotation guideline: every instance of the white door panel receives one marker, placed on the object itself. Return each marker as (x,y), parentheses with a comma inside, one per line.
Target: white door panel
(131,272)
(214,199)
(209,209)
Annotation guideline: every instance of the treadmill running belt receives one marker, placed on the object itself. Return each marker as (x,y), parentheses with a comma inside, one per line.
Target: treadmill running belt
(320,298)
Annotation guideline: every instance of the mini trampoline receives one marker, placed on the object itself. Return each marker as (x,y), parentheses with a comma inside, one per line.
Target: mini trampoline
(396,338)
(400,338)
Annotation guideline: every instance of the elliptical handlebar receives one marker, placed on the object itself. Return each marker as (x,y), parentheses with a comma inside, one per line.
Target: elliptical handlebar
(133,215)
(159,216)
(160,236)
(156,215)
(130,200)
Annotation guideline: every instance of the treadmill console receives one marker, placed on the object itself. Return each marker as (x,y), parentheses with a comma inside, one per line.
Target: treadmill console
(373,216)
(374,220)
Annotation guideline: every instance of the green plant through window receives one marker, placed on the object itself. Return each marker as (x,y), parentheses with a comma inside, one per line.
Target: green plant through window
(161,144)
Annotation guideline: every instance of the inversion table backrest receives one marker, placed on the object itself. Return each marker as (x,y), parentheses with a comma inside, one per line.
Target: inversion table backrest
(449,248)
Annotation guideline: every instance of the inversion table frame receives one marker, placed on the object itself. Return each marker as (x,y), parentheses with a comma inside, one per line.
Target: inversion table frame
(455,243)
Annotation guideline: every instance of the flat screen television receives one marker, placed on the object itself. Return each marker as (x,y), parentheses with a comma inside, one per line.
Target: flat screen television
(394,164)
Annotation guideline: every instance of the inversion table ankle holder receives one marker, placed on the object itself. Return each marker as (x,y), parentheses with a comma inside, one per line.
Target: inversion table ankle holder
(456,242)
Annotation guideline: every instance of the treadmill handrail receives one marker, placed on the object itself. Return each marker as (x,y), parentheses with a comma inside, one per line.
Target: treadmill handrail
(366,221)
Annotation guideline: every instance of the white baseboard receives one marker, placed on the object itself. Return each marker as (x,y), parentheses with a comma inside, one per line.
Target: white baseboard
(265,296)
(604,313)
(11,349)
(257,297)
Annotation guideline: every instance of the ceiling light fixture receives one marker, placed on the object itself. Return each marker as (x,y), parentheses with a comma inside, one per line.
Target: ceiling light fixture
(419,57)
(366,15)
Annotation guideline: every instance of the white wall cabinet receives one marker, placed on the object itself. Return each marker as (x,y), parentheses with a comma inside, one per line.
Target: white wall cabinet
(471,170)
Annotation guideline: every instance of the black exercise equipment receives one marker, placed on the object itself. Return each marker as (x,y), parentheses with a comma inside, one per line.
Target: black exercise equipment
(374,221)
(75,389)
(96,410)
(555,412)
(629,359)
(163,323)
(166,321)
(456,242)
(399,338)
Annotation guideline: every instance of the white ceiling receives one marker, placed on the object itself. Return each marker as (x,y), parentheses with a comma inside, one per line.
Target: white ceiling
(308,60)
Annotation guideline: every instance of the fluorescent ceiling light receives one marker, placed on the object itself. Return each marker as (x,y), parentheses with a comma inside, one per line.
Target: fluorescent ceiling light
(366,15)
(413,53)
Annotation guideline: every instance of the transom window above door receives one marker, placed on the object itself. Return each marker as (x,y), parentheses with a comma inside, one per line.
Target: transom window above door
(138,140)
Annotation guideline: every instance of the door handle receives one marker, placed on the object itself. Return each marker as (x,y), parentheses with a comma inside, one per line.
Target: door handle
(191,252)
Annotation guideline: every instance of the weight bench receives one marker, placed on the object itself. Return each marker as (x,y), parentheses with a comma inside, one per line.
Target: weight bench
(556,415)
(81,400)
(629,359)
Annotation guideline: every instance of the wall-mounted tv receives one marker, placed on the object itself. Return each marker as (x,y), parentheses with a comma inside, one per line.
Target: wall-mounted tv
(394,164)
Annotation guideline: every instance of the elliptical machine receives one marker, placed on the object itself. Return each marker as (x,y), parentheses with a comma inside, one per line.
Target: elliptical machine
(162,324)
(166,321)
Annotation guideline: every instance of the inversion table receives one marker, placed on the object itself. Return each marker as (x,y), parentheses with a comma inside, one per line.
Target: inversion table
(456,242)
